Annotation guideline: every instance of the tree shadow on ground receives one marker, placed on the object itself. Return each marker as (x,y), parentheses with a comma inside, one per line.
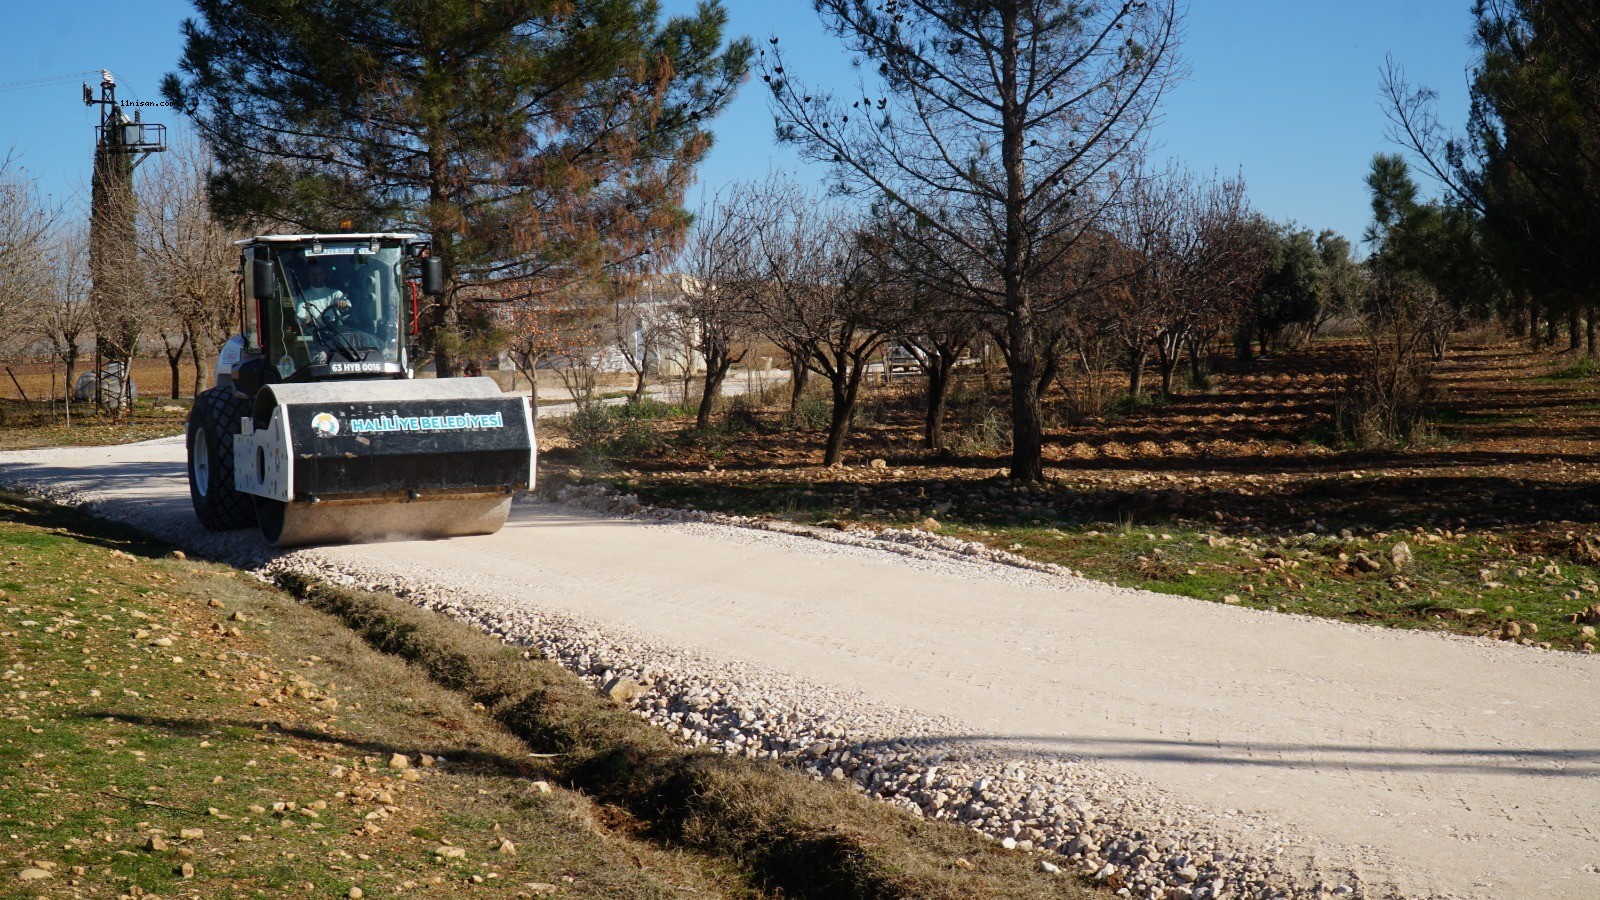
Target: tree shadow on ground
(1573,763)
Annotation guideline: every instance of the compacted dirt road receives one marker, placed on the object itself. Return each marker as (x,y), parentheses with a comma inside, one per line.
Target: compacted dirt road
(1426,765)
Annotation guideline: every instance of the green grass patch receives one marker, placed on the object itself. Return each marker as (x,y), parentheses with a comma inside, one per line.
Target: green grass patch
(1446,579)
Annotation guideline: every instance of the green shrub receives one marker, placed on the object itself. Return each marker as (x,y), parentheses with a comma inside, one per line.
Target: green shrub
(813,411)
(646,408)
(982,429)
(739,416)
(1582,367)
(601,432)
(634,436)
(591,428)
(1152,398)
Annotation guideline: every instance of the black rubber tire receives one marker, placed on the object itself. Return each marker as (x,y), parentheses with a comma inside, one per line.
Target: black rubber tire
(213,422)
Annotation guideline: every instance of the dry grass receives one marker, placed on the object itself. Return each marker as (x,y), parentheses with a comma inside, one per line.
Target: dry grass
(42,379)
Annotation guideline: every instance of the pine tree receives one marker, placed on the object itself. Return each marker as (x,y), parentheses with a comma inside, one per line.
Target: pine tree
(537,141)
(1529,163)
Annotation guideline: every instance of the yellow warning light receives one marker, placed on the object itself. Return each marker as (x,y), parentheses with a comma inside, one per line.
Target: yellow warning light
(347,224)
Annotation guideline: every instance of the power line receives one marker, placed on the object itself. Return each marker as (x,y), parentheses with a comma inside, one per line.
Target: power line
(44,81)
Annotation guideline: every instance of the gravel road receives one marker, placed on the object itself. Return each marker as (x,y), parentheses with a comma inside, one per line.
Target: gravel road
(1167,746)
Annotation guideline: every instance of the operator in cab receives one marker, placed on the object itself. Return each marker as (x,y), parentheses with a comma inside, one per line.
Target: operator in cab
(320,302)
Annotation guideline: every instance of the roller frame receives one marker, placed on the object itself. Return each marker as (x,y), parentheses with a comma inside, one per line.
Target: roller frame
(265,462)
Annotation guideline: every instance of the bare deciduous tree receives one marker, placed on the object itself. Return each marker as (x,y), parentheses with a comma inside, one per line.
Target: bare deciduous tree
(999,128)
(1233,262)
(1188,273)
(1387,397)
(945,332)
(826,293)
(941,328)
(638,326)
(26,244)
(722,266)
(62,320)
(190,260)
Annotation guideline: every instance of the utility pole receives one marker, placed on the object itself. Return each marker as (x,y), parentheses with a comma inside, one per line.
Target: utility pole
(121,143)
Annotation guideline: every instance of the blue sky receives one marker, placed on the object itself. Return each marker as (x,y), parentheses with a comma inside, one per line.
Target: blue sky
(1287,92)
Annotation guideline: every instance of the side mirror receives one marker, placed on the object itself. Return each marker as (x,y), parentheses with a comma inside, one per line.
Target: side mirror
(432,276)
(262,286)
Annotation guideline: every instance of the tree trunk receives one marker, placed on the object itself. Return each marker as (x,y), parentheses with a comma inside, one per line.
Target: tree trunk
(799,377)
(199,367)
(1197,359)
(441,319)
(125,390)
(99,389)
(1574,337)
(1027,421)
(846,385)
(940,368)
(175,362)
(444,361)
(1242,336)
(1589,326)
(1136,361)
(1049,371)
(716,371)
(1169,352)
(1550,328)
(71,360)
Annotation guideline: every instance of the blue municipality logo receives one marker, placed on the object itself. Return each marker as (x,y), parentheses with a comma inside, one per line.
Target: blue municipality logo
(324,425)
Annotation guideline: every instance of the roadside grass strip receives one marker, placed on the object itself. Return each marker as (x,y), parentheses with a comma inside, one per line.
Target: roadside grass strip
(173,729)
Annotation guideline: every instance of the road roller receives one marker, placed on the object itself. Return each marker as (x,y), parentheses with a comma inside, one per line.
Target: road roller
(316,430)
